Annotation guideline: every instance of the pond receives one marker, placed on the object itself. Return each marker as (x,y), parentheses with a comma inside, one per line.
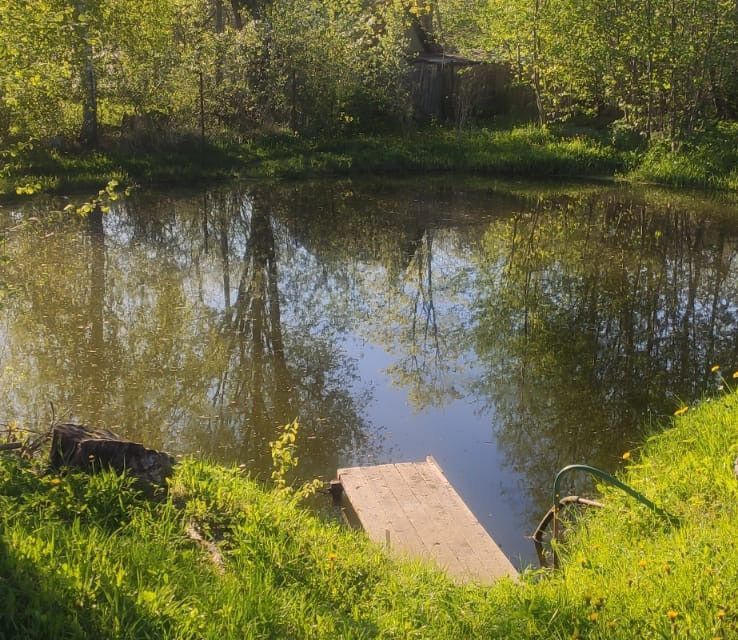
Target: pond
(505,329)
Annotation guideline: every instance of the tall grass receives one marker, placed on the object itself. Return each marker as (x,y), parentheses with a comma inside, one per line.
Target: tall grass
(520,151)
(708,159)
(91,558)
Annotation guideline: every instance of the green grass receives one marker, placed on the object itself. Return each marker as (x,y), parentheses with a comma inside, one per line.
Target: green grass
(707,160)
(518,151)
(91,558)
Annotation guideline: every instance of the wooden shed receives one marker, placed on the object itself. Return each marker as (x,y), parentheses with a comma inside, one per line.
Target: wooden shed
(450,88)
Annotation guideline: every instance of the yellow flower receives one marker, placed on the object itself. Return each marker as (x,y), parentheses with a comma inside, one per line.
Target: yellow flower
(720,614)
(735,374)
(626,455)
(332,556)
(672,615)
(642,564)
(715,368)
(55,481)
(593,616)
(681,411)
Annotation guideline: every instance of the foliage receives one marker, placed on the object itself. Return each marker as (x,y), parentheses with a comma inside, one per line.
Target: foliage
(661,65)
(152,77)
(284,460)
(101,201)
(706,160)
(154,71)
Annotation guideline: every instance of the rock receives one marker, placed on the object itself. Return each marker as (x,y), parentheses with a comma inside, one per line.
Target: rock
(89,449)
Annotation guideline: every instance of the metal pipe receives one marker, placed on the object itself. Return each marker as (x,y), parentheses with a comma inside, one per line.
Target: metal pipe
(558,503)
(537,536)
(602,475)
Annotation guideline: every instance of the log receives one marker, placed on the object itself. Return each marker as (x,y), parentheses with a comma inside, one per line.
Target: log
(90,450)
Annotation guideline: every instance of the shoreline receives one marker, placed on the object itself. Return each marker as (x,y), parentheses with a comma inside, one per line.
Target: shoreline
(118,565)
(519,152)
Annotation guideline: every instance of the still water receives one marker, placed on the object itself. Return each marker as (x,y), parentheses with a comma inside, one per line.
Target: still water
(507,330)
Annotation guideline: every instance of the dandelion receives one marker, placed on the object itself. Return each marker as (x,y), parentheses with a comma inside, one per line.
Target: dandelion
(681,411)
(720,614)
(735,375)
(594,616)
(626,455)
(55,481)
(642,564)
(672,615)
(332,557)
(715,368)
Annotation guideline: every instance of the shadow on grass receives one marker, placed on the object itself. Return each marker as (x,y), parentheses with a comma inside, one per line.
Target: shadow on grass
(34,605)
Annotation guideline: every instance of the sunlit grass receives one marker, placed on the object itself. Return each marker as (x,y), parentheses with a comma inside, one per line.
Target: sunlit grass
(91,558)
(708,159)
(519,151)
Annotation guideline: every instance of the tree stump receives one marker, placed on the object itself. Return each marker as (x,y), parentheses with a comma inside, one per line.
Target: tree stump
(88,449)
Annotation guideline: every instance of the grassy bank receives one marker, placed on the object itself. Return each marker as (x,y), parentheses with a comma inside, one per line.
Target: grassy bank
(90,558)
(707,160)
(521,151)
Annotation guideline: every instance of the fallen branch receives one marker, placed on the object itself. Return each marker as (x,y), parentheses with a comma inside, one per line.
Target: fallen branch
(10,446)
(215,556)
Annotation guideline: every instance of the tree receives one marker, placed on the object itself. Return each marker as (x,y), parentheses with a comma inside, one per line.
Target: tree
(664,64)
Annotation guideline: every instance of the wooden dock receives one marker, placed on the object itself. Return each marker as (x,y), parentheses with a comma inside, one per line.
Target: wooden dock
(412,509)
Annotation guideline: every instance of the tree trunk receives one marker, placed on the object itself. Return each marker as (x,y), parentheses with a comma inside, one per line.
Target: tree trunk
(88,132)
(89,106)
(88,449)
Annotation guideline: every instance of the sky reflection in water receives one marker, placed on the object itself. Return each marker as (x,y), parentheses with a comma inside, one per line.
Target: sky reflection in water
(506,331)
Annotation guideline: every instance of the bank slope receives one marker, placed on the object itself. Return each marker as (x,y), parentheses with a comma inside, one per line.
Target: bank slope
(91,558)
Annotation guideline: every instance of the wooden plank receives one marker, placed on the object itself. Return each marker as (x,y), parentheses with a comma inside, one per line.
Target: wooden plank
(487,553)
(442,529)
(421,519)
(364,501)
(416,506)
(486,549)
(377,508)
(403,531)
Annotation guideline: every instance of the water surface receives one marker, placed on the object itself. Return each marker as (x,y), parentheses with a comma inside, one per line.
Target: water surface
(507,331)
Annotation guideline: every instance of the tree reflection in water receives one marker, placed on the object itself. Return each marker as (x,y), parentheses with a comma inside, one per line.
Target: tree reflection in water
(595,316)
(158,350)
(202,322)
